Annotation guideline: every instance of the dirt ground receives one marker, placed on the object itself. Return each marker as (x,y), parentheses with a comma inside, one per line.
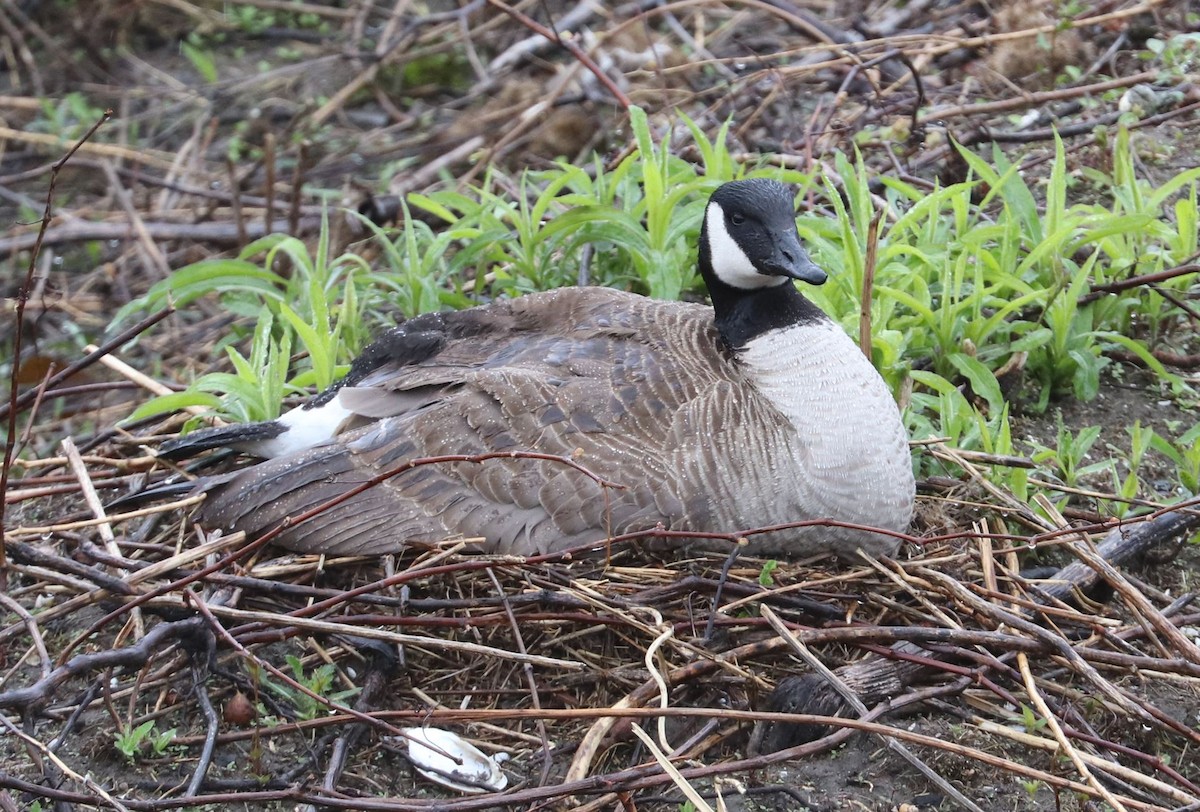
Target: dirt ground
(296,104)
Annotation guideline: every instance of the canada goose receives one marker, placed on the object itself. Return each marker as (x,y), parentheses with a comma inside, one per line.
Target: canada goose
(766,413)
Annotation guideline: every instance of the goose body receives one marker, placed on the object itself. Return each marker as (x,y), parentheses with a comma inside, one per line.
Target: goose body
(763,414)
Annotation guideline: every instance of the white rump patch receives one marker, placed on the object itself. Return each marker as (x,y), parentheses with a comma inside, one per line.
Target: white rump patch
(305,428)
(729,261)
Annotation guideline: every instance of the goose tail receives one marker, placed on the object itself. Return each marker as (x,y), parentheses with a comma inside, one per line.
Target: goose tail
(238,435)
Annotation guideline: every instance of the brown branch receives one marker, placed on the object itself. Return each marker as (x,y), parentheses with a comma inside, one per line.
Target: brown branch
(41,692)
(10,442)
(868,284)
(128,334)
(1165,357)
(1098,291)
(570,45)
(210,735)
(216,234)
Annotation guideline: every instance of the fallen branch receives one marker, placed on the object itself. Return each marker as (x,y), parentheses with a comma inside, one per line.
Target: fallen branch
(39,694)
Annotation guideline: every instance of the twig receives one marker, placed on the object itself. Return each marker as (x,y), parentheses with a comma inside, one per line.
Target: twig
(22,300)
(1132,776)
(108,346)
(868,284)
(150,249)
(139,378)
(86,781)
(567,42)
(1058,645)
(534,698)
(374,684)
(31,626)
(852,699)
(1063,742)
(40,530)
(104,527)
(1098,291)
(216,234)
(206,611)
(41,692)
(213,727)
(665,762)
(1120,545)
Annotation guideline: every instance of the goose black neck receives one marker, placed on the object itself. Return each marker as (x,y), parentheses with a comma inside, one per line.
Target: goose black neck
(742,315)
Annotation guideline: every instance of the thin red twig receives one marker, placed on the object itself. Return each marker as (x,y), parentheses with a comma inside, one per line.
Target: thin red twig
(10,442)
(570,45)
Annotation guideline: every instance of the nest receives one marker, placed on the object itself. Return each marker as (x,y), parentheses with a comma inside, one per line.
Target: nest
(601,671)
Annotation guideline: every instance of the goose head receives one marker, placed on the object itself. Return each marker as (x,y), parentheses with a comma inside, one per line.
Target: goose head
(749,254)
(748,240)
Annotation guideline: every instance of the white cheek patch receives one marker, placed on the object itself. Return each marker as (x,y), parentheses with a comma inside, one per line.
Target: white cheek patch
(729,261)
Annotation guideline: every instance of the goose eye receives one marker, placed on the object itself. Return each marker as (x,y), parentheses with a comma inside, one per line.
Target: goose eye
(737,218)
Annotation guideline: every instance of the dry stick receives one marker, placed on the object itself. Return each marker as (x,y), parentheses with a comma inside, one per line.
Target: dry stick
(223,799)
(1063,742)
(224,634)
(368,633)
(31,626)
(853,701)
(210,735)
(639,777)
(534,697)
(291,521)
(21,33)
(868,285)
(647,775)
(269,192)
(570,45)
(1121,544)
(105,527)
(374,684)
(1138,602)
(220,234)
(22,553)
(40,692)
(580,15)
(944,452)
(1057,644)
(383,57)
(145,381)
(23,299)
(22,494)
(670,769)
(1125,773)
(143,156)
(297,187)
(1091,494)
(632,779)
(665,632)
(1170,359)
(108,346)
(1097,291)
(150,248)
(86,781)
(41,530)
(235,203)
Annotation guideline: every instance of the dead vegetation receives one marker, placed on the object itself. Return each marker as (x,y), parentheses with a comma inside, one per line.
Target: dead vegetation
(285,679)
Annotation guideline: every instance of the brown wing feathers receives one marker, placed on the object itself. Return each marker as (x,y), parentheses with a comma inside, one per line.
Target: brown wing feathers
(551,373)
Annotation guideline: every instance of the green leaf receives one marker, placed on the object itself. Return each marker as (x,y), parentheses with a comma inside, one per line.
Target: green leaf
(983,382)
(175,402)
(201,60)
